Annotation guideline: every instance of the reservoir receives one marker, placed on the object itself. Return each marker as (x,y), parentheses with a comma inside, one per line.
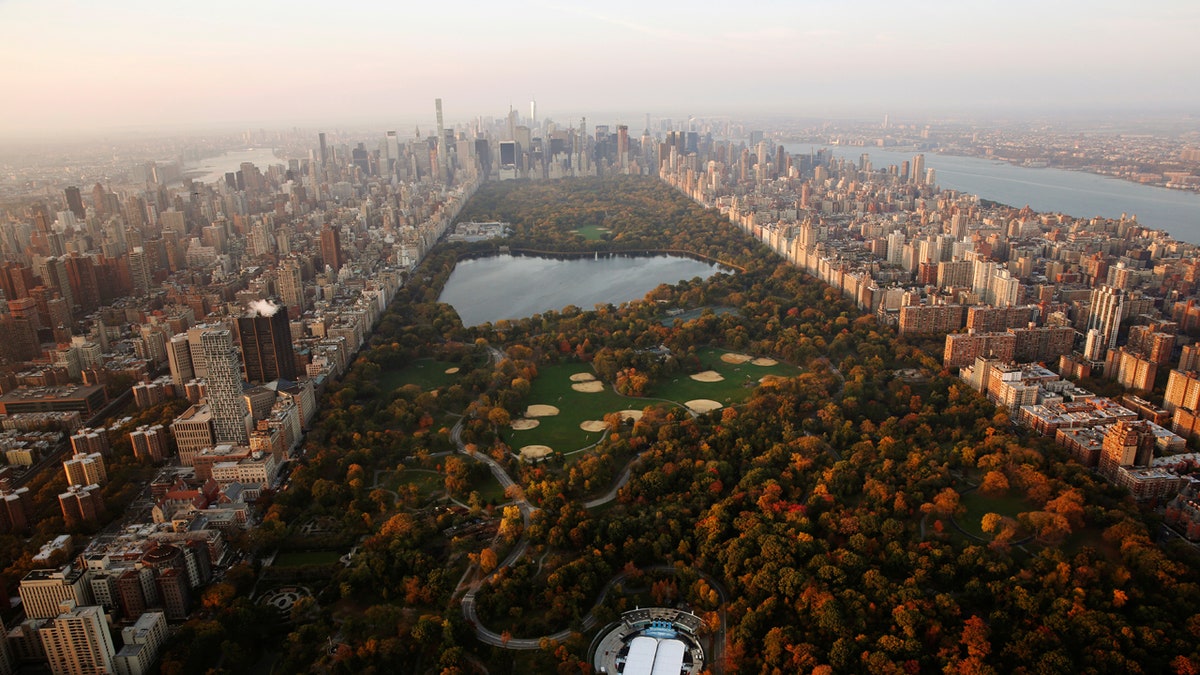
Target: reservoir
(213,169)
(1075,193)
(513,287)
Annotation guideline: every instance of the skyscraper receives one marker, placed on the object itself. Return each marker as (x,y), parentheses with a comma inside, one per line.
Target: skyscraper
(267,347)
(1106,310)
(139,270)
(324,151)
(231,418)
(331,247)
(291,287)
(443,167)
(75,202)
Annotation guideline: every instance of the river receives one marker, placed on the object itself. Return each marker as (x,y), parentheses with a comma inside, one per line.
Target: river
(213,169)
(1075,193)
(513,287)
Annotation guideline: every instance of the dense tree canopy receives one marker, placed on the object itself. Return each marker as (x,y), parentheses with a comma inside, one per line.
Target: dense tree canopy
(858,520)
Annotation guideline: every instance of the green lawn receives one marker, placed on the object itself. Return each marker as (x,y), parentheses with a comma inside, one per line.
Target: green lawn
(426,481)
(695,314)
(304,558)
(732,390)
(489,490)
(561,432)
(978,505)
(425,373)
(592,232)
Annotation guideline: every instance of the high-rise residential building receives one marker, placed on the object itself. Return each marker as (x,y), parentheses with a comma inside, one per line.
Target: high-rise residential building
(86,470)
(1109,307)
(179,359)
(193,431)
(139,271)
(231,418)
(57,277)
(16,509)
(142,643)
(1189,357)
(267,347)
(77,641)
(1126,444)
(1183,391)
(1133,370)
(443,157)
(918,169)
(149,443)
(86,441)
(81,505)
(331,248)
(291,287)
(196,350)
(43,590)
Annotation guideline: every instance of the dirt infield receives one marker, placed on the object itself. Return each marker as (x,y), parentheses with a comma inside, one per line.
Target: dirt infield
(582,377)
(735,358)
(524,424)
(590,387)
(764,361)
(451,371)
(535,451)
(592,425)
(540,410)
(708,376)
(703,405)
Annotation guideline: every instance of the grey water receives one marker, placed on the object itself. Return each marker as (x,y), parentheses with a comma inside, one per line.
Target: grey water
(512,287)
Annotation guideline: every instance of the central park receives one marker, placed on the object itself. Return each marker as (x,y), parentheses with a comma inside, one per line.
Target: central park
(747,448)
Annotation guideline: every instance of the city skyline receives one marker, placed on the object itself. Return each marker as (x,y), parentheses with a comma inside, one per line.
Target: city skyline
(139,66)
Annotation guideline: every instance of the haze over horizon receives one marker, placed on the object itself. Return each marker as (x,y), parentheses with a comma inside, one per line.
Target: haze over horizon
(134,65)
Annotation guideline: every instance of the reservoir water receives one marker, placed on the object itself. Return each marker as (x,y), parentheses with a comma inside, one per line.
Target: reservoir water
(513,287)
(213,169)
(1074,193)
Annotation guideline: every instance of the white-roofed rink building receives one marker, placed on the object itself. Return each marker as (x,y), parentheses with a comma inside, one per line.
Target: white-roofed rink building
(651,641)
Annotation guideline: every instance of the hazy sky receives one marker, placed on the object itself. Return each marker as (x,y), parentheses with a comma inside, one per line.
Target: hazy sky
(78,67)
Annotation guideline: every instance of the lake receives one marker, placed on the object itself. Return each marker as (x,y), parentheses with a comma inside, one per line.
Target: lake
(513,287)
(213,169)
(1074,193)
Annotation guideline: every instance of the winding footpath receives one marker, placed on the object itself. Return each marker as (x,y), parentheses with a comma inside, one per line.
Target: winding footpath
(490,637)
(513,490)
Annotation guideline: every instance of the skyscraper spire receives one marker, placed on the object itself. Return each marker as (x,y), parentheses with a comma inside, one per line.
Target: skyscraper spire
(443,164)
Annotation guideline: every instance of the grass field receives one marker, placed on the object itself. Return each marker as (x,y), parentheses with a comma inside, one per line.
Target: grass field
(592,232)
(489,490)
(978,505)
(304,558)
(695,314)
(426,374)
(561,431)
(426,481)
(733,389)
